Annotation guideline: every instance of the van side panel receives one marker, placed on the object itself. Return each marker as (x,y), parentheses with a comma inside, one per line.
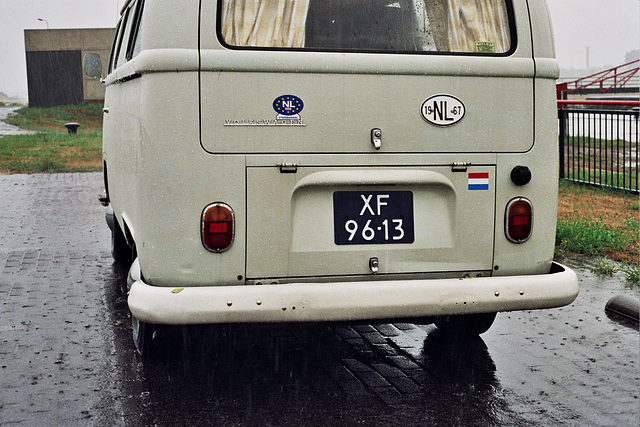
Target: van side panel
(160,179)
(536,254)
(121,147)
(173,180)
(541,29)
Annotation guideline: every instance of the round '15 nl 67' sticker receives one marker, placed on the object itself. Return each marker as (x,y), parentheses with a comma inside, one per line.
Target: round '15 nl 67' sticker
(443,110)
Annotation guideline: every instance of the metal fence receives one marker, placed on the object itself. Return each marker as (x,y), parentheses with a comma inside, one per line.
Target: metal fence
(599,144)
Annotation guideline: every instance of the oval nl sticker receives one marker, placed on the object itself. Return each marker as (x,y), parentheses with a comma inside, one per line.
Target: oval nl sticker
(443,110)
(288,107)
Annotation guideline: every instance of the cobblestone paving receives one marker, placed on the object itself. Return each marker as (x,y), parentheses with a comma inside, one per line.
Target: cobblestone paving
(52,334)
(66,355)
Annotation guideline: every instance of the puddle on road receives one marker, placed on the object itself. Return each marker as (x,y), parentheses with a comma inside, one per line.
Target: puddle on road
(590,281)
(571,364)
(7,129)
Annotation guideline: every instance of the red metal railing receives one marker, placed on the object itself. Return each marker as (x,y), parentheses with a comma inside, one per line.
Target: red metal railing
(630,103)
(615,77)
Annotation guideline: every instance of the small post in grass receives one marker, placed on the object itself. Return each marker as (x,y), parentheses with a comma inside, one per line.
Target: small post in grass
(72,127)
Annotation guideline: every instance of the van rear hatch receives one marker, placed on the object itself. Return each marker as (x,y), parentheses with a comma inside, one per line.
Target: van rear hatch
(329,221)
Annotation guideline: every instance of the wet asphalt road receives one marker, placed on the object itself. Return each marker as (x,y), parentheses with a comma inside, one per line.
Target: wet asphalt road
(7,129)
(66,356)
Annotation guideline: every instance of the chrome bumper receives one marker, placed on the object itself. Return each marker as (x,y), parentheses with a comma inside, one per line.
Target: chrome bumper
(348,301)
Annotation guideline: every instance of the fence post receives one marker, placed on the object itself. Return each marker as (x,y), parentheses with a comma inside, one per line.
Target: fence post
(561,137)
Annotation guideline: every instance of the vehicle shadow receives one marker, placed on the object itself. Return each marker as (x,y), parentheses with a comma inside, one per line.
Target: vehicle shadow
(309,374)
(463,388)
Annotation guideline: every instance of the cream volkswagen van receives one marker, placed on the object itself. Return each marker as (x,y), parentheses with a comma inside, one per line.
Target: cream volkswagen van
(334,160)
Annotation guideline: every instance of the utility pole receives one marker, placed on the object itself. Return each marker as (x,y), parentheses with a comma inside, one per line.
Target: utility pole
(587,57)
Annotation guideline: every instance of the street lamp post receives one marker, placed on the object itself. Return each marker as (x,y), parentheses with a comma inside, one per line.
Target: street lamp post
(45,21)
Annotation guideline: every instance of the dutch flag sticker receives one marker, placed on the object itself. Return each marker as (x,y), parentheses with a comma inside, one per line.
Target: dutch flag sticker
(479,181)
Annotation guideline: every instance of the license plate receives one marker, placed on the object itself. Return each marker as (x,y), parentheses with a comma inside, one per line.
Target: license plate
(372,217)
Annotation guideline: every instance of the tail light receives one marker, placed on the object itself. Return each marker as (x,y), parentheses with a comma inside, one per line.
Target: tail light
(217,227)
(518,220)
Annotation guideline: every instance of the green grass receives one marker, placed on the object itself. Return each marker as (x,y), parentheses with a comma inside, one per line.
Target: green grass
(585,188)
(604,224)
(52,148)
(632,274)
(600,161)
(10,104)
(628,180)
(591,142)
(604,267)
(583,236)
(594,238)
(88,114)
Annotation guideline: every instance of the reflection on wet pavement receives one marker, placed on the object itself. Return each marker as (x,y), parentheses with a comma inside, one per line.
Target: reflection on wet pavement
(532,367)
(67,357)
(338,374)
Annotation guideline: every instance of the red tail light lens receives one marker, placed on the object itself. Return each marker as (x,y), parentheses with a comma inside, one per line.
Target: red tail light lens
(518,220)
(217,227)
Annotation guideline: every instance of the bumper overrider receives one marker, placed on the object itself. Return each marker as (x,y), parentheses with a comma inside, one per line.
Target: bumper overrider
(349,301)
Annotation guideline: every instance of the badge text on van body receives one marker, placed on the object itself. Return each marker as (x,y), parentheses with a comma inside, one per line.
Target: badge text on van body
(443,110)
(288,108)
(265,122)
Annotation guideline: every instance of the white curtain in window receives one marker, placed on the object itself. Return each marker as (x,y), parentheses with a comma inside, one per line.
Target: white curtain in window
(478,25)
(424,33)
(264,23)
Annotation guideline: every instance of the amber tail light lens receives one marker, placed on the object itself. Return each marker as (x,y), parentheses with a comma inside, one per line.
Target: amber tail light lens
(518,220)
(217,227)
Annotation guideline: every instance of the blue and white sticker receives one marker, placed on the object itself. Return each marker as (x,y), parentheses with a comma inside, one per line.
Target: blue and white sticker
(288,107)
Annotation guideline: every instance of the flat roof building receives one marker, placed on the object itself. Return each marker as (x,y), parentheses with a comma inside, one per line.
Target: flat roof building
(55,73)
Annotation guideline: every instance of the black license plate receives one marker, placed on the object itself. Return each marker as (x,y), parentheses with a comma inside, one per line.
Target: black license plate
(372,217)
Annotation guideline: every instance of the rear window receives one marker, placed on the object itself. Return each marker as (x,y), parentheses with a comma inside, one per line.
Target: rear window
(451,26)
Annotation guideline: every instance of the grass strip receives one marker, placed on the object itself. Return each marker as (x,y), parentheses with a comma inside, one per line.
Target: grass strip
(51,152)
(52,148)
(583,235)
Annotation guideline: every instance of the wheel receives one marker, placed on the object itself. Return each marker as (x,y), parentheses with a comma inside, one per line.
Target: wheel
(466,324)
(120,250)
(142,331)
(142,335)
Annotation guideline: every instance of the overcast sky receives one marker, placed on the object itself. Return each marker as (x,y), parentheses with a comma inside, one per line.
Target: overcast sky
(610,28)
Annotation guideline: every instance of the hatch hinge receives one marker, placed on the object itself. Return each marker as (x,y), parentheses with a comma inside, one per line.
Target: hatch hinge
(460,166)
(288,167)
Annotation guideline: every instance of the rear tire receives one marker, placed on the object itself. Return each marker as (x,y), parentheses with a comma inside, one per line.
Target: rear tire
(142,335)
(120,250)
(466,324)
(142,332)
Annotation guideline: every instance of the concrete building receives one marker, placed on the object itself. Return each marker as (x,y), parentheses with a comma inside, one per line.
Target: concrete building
(55,74)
